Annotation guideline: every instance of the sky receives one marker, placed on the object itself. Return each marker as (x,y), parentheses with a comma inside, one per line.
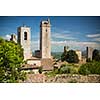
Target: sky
(77,32)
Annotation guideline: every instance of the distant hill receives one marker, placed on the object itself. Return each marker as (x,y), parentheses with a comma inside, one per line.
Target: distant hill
(56,55)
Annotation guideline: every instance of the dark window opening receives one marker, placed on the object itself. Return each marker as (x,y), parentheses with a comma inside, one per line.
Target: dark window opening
(46,30)
(34,64)
(18,37)
(25,35)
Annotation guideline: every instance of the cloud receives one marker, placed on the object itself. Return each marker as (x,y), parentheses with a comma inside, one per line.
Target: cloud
(7,37)
(93,35)
(62,36)
(73,45)
(97,39)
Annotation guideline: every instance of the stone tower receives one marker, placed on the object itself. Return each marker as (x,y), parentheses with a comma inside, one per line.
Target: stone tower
(24,40)
(13,38)
(89,52)
(45,42)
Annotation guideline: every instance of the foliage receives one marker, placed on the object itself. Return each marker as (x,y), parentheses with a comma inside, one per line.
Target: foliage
(96,55)
(63,56)
(11,59)
(64,69)
(72,57)
(30,72)
(90,68)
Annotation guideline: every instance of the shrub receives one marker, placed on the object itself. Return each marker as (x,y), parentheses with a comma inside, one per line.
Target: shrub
(74,70)
(11,60)
(90,68)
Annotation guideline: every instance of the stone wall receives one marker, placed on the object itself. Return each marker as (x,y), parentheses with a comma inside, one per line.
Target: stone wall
(74,79)
(64,78)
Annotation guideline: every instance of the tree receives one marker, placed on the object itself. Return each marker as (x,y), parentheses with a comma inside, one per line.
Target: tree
(90,68)
(11,59)
(63,56)
(72,57)
(96,55)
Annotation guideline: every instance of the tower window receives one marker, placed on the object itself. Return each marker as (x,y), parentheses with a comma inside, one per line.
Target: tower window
(46,30)
(25,35)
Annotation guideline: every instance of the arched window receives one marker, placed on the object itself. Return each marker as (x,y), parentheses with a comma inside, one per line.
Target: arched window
(25,35)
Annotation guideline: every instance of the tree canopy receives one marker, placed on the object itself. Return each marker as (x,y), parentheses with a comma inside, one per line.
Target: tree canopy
(11,59)
(70,56)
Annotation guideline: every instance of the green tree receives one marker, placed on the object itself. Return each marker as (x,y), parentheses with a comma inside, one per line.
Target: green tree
(90,68)
(63,56)
(96,55)
(11,59)
(72,57)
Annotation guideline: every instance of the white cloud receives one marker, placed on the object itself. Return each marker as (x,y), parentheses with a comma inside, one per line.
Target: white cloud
(62,36)
(74,44)
(93,35)
(57,46)
(97,39)
(7,37)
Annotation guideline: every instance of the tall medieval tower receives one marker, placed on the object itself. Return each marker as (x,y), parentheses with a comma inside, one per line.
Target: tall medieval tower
(24,40)
(45,35)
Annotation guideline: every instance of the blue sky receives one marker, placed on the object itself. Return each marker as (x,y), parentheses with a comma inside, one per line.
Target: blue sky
(73,31)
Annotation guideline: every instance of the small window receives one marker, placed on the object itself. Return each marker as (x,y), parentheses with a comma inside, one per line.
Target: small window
(25,35)
(34,64)
(46,30)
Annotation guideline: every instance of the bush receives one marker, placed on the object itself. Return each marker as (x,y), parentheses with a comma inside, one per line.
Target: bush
(11,60)
(74,70)
(84,70)
(64,70)
(90,68)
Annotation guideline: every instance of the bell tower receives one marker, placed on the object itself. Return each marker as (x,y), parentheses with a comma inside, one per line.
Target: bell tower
(45,42)
(24,40)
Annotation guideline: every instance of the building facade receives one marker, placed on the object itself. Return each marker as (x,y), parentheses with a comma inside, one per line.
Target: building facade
(89,53)
(79,53)
(24,39)
(45,42)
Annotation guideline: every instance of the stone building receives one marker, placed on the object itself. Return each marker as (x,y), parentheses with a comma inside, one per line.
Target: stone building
(24,39)
(79,53)
(45,39)
(89,53)
(43,56)
(13,38)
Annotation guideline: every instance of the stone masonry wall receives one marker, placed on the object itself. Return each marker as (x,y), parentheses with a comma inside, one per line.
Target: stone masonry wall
(64,78)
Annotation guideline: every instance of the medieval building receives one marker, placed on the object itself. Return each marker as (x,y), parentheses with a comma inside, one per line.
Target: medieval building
(45,34)
(89,53)
(24,39)
(43,56)
(13,38)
